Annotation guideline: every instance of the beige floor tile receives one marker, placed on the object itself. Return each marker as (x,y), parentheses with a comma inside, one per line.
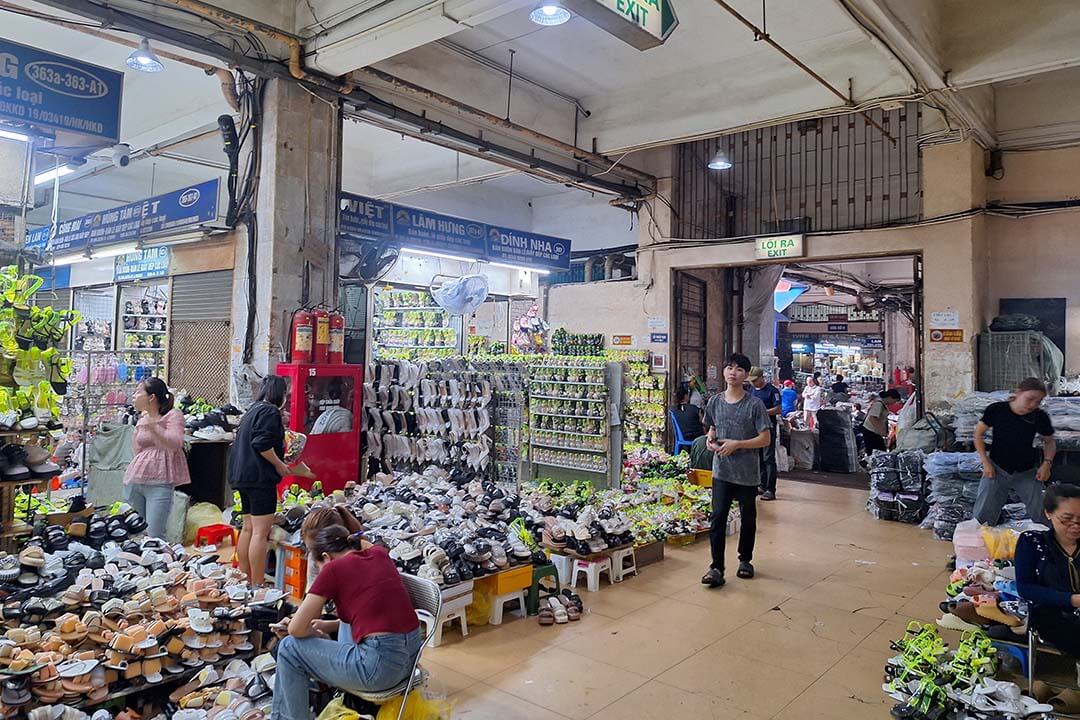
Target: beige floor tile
(675,614)
(483,702)
(878,641)
(821,620)
(482,655)
(643,650)
(657,701)
(446,681)
(786,648)
(900,578)
(850,690)
(556,634)
(567,683)
(756,687)
(924,604)
(615,601)
(853,599)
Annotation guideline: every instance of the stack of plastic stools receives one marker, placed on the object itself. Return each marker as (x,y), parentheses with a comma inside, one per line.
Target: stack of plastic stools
(455,600)
(540,572)
(592,569)
(619,567)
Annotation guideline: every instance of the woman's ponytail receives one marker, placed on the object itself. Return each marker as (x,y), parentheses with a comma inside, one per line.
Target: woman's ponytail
(335,539)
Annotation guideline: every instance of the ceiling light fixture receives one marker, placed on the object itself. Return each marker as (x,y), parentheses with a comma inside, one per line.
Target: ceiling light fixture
(53,173)
(720,161)
(538,271)
(114,250)
(143,59)
(443,256)
(14,136)
(550,13)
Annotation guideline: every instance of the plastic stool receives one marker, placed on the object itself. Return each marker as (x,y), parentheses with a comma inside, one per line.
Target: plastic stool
(498,601)
(592,570)
(532,603)
(1020,653)
(214,534)
(619,567)
(454,609)
(565,566)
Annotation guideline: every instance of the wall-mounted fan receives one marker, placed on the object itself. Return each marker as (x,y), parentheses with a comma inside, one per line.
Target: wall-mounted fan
(463,295)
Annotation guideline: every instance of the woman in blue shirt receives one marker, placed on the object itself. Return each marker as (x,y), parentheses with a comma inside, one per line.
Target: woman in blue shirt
(1048,570)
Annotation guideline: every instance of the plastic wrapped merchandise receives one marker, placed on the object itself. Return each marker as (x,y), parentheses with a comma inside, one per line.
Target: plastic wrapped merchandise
(837,450)
(954,484)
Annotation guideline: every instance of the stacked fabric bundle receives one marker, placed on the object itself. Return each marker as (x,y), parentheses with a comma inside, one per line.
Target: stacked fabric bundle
(837,449)
(897,486)
(1064,415)
(954,484)
(968,409)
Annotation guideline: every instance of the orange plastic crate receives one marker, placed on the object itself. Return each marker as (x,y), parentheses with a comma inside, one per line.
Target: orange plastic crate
(701,477)
(510,580)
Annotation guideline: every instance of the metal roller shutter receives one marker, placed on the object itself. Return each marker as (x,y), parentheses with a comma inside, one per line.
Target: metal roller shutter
(200,333)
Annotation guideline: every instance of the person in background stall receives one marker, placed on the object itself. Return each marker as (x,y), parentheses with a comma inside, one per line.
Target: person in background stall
(688,416)
(1011,464)
(875,428)
(789,398)
(1048,571)
(159,463)
(769,396)
(840,386)
(813,399)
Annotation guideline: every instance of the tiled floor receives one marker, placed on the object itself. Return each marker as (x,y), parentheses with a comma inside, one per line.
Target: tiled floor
(806,639)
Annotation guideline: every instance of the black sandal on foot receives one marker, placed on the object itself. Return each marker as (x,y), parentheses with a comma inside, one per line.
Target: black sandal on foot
(745,571)
(713,579)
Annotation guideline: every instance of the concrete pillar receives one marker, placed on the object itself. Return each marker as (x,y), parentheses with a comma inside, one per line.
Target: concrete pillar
(296,210)
(954,178)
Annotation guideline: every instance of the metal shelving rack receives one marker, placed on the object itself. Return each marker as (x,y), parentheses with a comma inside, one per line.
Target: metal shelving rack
(392,307)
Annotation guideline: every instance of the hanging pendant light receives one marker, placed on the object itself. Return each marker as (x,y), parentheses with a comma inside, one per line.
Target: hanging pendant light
(720,161)
(549,13)
(143,59)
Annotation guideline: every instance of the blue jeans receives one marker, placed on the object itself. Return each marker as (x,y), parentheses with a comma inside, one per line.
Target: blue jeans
(994,493)
(153,502)
(377,663)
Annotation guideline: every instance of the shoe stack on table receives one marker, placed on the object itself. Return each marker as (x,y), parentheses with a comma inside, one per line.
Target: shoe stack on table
(100,611)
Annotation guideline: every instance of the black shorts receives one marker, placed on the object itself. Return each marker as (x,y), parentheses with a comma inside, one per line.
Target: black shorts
(258,500)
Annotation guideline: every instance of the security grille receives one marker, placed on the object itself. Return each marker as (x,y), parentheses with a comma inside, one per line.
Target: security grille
(199,358)
(690,324)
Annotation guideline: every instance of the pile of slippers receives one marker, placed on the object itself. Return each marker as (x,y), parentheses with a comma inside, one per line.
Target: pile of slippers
(984,596)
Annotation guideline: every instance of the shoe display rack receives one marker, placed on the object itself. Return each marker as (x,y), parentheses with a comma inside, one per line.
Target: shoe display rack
(408,325)
(509,416)
(97,307)
(570,411)
(646,402)
(144,317)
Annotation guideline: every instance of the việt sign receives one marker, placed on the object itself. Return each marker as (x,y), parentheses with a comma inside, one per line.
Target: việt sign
(643,24)
(780,247)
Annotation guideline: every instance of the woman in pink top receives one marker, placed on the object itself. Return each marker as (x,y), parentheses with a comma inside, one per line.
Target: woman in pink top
(159,463)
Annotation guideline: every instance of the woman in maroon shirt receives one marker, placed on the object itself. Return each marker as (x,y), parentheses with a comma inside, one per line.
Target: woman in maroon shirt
(368,593)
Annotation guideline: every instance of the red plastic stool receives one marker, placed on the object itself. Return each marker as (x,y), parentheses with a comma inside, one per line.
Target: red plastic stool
(214,534)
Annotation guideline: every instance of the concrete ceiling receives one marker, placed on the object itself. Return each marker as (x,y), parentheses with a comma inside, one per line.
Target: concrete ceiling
(1001,67)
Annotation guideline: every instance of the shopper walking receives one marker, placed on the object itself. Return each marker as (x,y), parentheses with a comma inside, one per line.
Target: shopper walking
(158,464)
(255,469)
(876,425)
(687,416)
(737,427)
(813,397)
(1011,464)
(769,396)
(368,595)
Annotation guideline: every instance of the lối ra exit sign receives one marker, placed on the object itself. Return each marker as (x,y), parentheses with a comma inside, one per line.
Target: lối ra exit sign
(779,247)
(642,23)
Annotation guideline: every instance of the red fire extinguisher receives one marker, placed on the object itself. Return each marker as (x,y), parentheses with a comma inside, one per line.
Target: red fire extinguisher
(322,336)
(337,338)
(303,333)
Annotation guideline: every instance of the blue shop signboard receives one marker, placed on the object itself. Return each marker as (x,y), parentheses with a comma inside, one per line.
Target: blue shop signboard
(57,92)
(142,264)
(370,219)
(182,208)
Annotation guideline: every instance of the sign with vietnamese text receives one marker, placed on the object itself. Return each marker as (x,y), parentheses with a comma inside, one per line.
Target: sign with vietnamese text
(60,93)
(945,320)
(142,264)
(622,340)
(643,24)
(779,247)
(183,208)
(658,337)
(873,343)
(949,336)
(379,221)
(837,327)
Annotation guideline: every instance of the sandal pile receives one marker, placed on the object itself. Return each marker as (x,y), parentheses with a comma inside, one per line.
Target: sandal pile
(561,608)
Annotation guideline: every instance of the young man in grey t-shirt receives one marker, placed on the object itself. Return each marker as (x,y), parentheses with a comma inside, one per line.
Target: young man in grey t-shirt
(737,425)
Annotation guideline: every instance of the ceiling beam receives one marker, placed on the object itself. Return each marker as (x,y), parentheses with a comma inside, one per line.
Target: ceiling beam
(882,26)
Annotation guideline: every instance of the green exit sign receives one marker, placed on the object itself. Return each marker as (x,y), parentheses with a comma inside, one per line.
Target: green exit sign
(779,247)
(642,23)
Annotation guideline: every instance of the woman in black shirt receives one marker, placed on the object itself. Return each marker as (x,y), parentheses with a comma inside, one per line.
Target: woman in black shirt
(1011,463)
(687,416)
(1048,570)
(255,468)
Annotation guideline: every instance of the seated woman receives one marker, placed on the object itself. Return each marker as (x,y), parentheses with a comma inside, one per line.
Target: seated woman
(687,416)
(362,581)
(1048,571)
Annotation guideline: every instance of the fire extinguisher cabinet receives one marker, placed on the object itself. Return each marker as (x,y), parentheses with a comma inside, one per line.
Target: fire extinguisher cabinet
(325,404)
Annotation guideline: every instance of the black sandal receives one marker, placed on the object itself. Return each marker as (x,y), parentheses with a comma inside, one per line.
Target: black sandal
(745,571)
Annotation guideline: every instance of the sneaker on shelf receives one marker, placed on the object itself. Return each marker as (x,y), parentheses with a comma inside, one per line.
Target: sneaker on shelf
(14,465)
(39,461)
(214,433)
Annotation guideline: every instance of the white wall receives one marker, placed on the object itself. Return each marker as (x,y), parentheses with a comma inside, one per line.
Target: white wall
(586,219)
